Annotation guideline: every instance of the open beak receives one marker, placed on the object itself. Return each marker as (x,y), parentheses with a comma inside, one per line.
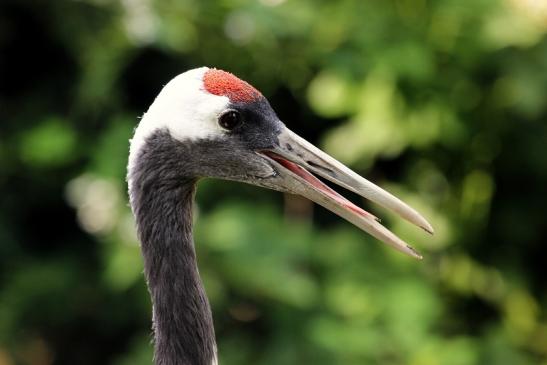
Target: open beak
(296,160)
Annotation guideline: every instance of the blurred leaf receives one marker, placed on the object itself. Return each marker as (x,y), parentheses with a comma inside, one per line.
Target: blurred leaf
(52,143)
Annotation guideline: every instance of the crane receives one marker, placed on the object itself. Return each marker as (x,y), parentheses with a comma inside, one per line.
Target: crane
(209,123)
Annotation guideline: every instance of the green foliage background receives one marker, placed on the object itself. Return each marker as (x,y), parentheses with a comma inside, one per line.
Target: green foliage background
(442,102)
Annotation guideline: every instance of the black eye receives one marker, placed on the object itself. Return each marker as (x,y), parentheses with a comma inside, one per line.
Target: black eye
(230,119)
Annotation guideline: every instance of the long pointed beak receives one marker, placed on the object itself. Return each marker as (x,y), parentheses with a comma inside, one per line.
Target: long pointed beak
(296,159)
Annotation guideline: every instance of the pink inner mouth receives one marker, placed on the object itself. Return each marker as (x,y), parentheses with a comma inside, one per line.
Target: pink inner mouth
(318,184)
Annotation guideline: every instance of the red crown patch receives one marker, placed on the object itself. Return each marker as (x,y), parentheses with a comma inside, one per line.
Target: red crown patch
(223,83)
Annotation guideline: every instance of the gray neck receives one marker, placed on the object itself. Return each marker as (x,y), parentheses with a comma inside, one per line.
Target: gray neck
(162,202)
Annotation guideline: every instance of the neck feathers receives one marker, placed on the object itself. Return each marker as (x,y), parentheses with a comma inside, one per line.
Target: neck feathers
(162,199)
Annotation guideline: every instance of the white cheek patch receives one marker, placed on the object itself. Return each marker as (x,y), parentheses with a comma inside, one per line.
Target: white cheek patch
(183,108)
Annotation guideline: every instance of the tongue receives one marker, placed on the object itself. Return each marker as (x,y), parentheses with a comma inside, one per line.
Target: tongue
(319,185)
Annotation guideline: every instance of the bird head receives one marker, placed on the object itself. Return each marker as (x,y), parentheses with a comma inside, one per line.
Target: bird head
(216,125)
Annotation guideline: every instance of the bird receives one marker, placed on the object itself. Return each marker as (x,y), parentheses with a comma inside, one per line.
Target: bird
(208,123)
